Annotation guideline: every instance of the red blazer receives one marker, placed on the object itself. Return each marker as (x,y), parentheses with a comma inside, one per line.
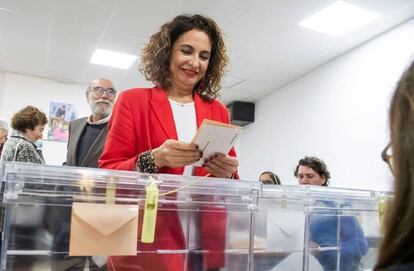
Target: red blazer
(141,120)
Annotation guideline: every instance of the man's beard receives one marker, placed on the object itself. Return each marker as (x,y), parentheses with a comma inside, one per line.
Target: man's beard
(100,110)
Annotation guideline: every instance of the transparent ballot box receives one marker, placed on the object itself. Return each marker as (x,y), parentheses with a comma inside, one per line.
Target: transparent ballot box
(316,228)
(67,218)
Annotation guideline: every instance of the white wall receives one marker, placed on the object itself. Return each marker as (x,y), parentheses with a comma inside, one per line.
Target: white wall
(2,76)
(18,91)
(337,112)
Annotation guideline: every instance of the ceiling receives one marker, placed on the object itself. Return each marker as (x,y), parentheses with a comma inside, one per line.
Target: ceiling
(55,39)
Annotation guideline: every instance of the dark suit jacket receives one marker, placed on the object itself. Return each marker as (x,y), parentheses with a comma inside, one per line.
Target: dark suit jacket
(91,159)
(59,221)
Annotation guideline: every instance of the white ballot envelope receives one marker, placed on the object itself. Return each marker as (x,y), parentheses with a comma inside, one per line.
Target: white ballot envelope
(285,231)
(215,137)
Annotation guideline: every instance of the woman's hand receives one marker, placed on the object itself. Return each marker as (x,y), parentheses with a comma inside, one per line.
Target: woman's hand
(173,154)
(221,165)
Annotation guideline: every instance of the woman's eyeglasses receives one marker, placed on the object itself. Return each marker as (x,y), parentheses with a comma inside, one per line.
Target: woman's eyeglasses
(386,156)
(99,91)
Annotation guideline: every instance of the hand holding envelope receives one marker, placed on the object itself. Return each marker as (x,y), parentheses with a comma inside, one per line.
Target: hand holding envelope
(215,137)
(103,229)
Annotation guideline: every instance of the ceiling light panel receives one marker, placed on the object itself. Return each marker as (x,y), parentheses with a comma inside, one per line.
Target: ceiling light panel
(112,59)
(339,18)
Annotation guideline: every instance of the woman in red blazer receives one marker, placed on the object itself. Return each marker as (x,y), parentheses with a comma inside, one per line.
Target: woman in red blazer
(150,129)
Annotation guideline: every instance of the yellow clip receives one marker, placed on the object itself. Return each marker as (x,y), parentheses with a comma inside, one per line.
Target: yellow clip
(382,209)
(283,202)
(110,192)
(150,212)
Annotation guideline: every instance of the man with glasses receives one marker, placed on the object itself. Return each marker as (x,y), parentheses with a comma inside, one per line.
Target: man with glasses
(86,140)
(87,135)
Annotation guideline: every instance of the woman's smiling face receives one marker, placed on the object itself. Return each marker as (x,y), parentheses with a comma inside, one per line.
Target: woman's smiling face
(189,59)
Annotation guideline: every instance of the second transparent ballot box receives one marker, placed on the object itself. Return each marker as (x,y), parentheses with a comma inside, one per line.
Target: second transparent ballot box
(66,218)
(316,228)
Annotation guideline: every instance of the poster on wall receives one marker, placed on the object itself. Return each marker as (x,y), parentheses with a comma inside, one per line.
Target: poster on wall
(60,114)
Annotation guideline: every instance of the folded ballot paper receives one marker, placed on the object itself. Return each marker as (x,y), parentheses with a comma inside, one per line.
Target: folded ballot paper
(215,137)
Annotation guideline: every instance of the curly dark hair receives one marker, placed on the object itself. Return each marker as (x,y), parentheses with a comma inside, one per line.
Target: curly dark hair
(318,165)
(155,56)
(28,118)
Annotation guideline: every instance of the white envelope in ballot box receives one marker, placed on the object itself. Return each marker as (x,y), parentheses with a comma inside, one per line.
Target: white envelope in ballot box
(285,231)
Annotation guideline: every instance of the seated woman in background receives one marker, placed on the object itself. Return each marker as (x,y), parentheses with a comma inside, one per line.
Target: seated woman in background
(269,177)
(397,249)
(323,228)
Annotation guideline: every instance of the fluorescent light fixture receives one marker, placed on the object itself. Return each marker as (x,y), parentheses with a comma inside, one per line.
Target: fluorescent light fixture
(338,18)
(112,59)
